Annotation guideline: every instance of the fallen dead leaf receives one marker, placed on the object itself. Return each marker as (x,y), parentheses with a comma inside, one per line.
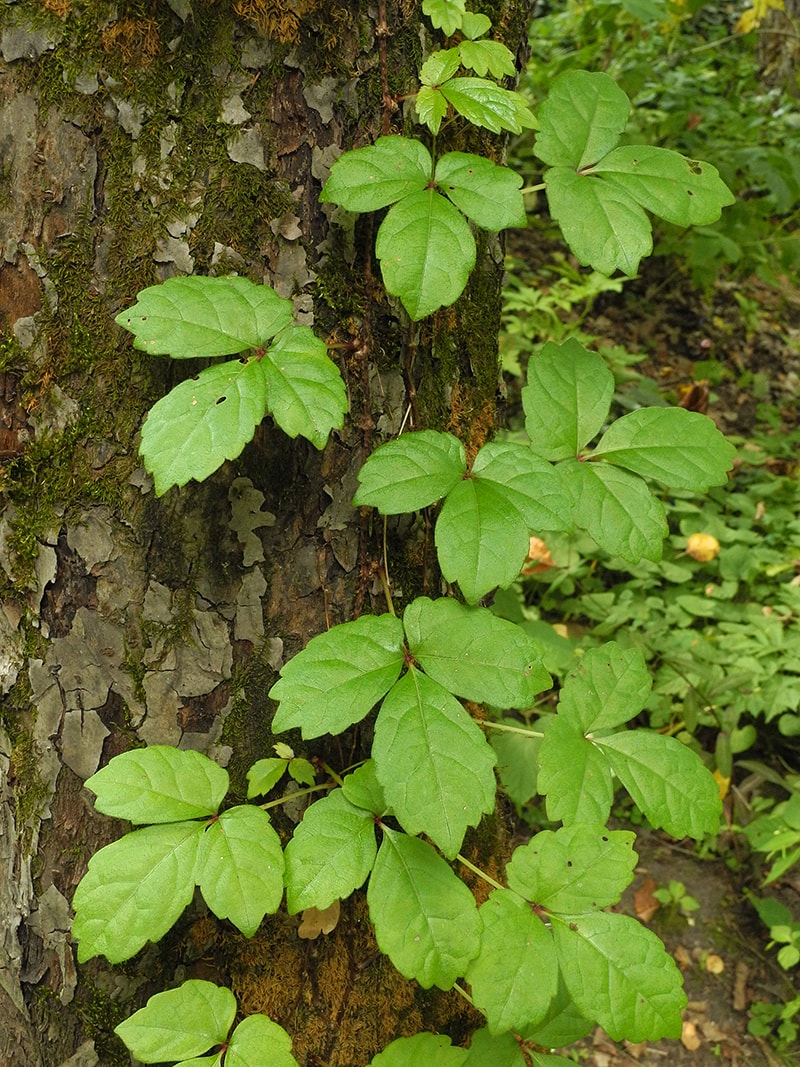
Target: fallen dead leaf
(740,986)
(644,901)
(682,957)
(319,922)
(689,1037)
(715,964)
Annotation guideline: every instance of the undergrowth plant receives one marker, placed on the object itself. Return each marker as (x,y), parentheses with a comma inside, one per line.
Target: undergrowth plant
(543,959)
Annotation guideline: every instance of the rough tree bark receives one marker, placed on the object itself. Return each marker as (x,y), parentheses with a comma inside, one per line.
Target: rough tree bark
(139,140)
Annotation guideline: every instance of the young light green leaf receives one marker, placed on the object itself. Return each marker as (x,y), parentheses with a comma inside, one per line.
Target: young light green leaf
(475,25)
(573,775)
(305,391)
(683,191)
(431,107)
(513,988)
(134,890)
(264,775)
(483,103)
(580,120)
(667,780)
(439,66)
(411,472)
(427,252)
(302,771)
(179,1022)
(683,449)
(425,918)
(487,193)
(433,761)
(445,15)
(159,784)
(603,226)
(610,685)
(617,509)
(240,867)
(363,789)
(475,654)
(566,400)
(330,854)
(421,1050)
(367,179)
(487,56)
(257,1040)
(619,974)
(197,317)
(528,482)
(339,676)
(573,869)
(517,761)
(202,422)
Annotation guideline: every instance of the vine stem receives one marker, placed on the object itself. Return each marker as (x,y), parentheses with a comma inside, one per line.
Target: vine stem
(329,770)
(476,870)
(513,729)
(293,796)
(463,993)
(532,188)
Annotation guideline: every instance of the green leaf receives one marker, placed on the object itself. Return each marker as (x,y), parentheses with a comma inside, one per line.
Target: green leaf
(264,775)
(609,686)
(305,391)
(302,771)
(426,920)
(485,104)
(411,473)
(339,676)
(562,1025)
(573,775)
(434,763)
(203,1061)
(240,867)
(440,66)
(517,762)
(421,1050)
(667,780)
(330,853)
(475,654)
(566,400)
(258,1040)
(179,1022)
(619,974)
(528,482)
(445,15)
(202,422)
(501,1051)
(475,25)
(431,107)
(513,987)
(196,317)
(427,252)
(683,191)
(604,228)
(487,56)
(617,509)
(580,120)
(487,193)
(367,179)
(683,449)
(159,784)
(363,789)
(573,869)
(134,890)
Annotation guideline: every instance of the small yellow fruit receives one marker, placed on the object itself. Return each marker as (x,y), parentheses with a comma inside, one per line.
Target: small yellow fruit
(702,547)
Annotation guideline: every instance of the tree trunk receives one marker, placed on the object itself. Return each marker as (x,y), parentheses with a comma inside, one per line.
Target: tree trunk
(139,141)
(779,47)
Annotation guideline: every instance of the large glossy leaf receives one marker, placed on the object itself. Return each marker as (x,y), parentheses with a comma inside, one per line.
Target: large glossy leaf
(412,472)
(256,1041)
(197,317)
(425,918)
(475,654)
(339,676)
(305,391)
(609,686)
(240,867)
(203,421)
(134,890)
(581,119)
(683,449)
(619,974)
(367,179)
(159,784)
(427,252)
(179,1022)
(484,103)
(433,761)
(487,193)
(567,399)
(573,775)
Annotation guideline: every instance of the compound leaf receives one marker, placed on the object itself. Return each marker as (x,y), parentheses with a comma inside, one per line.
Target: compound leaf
(305,391)
(491,56)
(427,252)
(445,15)
(339,676)
(240,867)
(330,854)
(179,1022)
(425,918)
(474,25)
(573,775)
(683,449)
(411,473)
(159,784)
(619,974)
(134,890)
(580,120)
(420,1050)
(264,774)
(367,179)
(483,103)
(475,654)
(258,1040)
(197,317)
(566,400)
(433,761)
(203,421)
(528,482)
(439,67)
(487,193)
(610,685)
